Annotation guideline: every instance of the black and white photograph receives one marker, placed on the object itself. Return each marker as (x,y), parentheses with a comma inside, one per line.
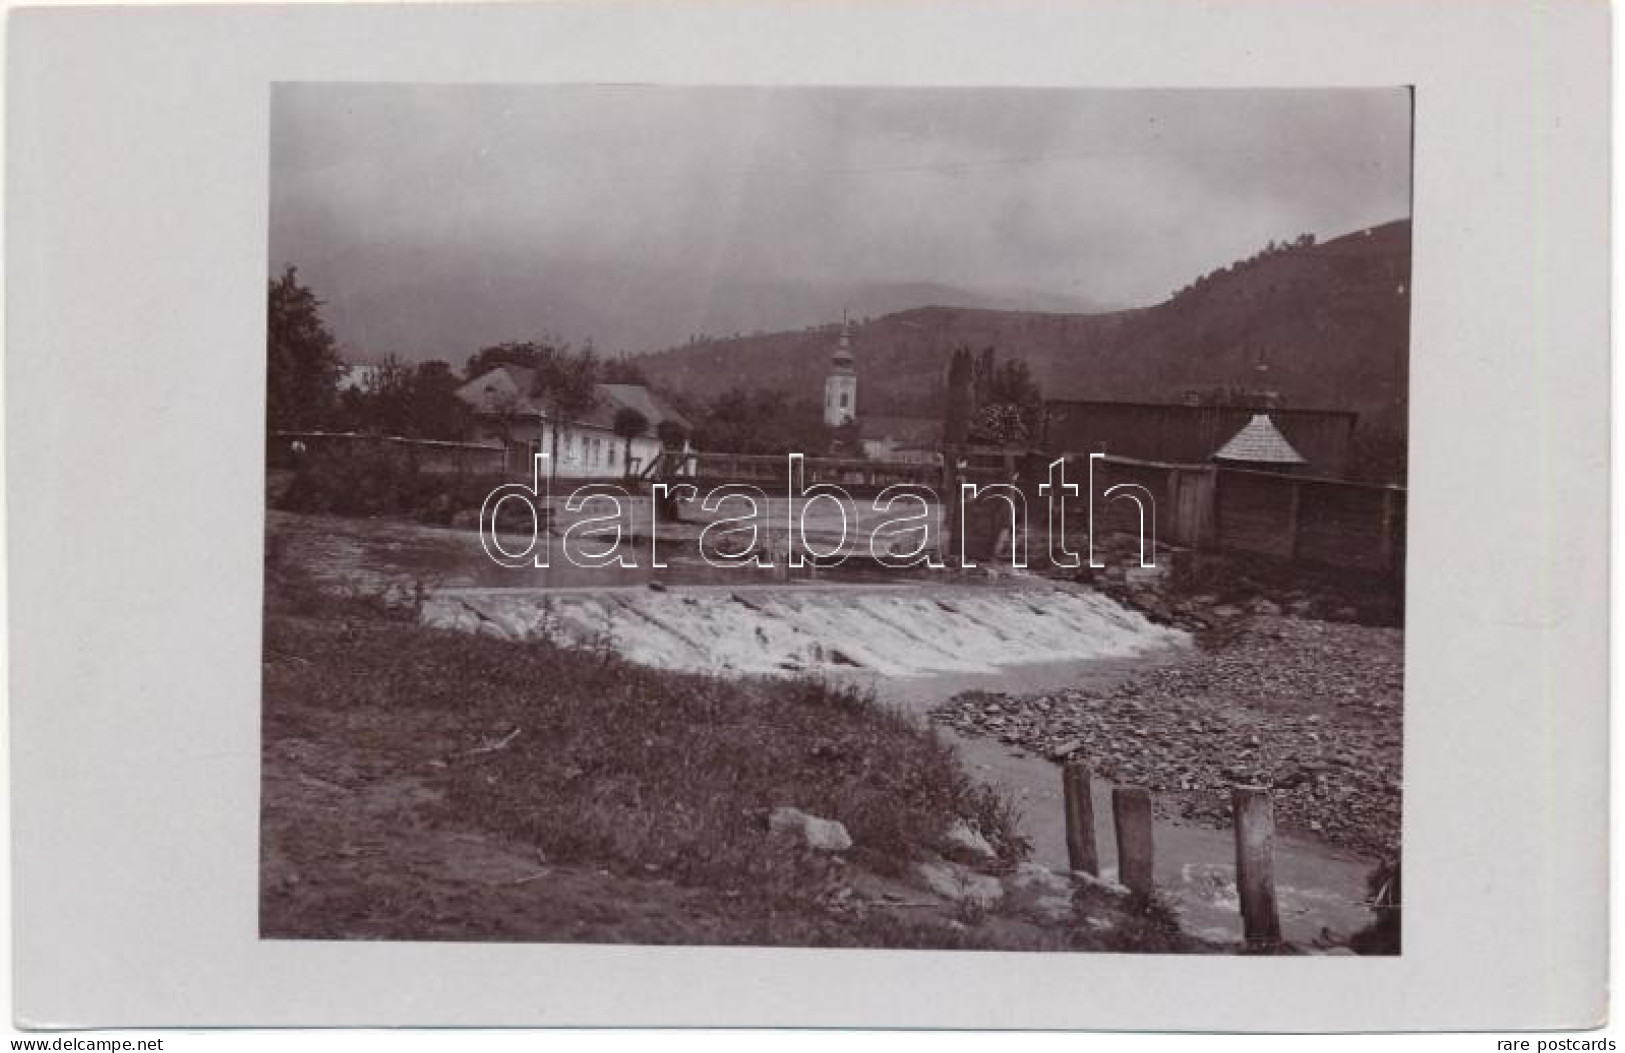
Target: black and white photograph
(654,521)
(927,518)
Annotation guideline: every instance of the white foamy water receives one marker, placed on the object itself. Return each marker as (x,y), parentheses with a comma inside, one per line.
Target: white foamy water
(893,631)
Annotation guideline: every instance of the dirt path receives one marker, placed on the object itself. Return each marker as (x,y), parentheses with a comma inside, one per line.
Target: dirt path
(363,853)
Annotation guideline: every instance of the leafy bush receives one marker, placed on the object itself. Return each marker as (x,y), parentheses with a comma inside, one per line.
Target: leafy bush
(379,479)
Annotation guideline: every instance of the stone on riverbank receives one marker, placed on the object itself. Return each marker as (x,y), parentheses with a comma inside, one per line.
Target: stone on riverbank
(961,884)
(1310,708)
(961,836)
(820,835)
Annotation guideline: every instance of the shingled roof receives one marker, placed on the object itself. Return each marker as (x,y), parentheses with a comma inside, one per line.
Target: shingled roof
(507,388)
(655,410)
(1259,442)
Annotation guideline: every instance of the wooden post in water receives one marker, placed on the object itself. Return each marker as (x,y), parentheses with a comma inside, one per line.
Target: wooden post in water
(1255,864)
(950,510)
(1131,816)
(1294,520)
(1081,852)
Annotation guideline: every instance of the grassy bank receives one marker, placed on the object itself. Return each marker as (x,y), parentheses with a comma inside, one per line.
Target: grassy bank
(422,783)
(372,481)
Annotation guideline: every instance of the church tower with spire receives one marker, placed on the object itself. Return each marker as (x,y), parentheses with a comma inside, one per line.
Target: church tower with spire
(841,386)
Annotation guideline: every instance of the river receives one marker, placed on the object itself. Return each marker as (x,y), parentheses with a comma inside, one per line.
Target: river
(914,640)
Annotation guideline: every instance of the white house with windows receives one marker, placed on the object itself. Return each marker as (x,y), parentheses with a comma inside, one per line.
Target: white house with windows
(507,412)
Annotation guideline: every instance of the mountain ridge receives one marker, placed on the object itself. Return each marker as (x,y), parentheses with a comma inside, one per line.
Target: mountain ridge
(1322,325)
(447,302)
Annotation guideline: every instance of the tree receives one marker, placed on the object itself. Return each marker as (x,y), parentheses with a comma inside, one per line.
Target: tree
(567,384)
(982,375)
(629,424)
(302,364)
(622,369)
(990,401)
(847,439)
(397,398)
(503,413)
(961,398)
(351,414)
(999,424)
(488,358)
(1012,382)
(672,434)
(762,421)
(436,411)
(387,389)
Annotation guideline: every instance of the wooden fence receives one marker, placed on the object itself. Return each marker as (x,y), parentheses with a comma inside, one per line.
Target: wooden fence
(1180,434)
(1307,519)
(285,449)
(772,472)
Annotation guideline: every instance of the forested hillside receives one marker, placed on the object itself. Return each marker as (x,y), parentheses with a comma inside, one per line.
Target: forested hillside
(1324,325)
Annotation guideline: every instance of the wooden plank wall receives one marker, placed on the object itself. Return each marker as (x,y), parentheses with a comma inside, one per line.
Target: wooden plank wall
(1327,522)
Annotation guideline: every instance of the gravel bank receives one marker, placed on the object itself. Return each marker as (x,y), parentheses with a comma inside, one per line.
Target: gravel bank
(1312,708)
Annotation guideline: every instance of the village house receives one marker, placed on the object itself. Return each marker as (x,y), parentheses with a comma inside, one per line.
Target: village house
(901,440)
(507,413)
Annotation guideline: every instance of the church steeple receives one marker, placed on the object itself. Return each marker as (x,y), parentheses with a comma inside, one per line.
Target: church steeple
(841,386)
(842,359)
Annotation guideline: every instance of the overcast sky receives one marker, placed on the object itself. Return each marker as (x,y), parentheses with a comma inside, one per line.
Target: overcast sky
(659,196)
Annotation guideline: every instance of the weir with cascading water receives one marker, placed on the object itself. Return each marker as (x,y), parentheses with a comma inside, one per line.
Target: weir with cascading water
(914,641)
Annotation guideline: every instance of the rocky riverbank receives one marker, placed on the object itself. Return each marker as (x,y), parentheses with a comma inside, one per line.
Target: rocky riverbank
(1309,707)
